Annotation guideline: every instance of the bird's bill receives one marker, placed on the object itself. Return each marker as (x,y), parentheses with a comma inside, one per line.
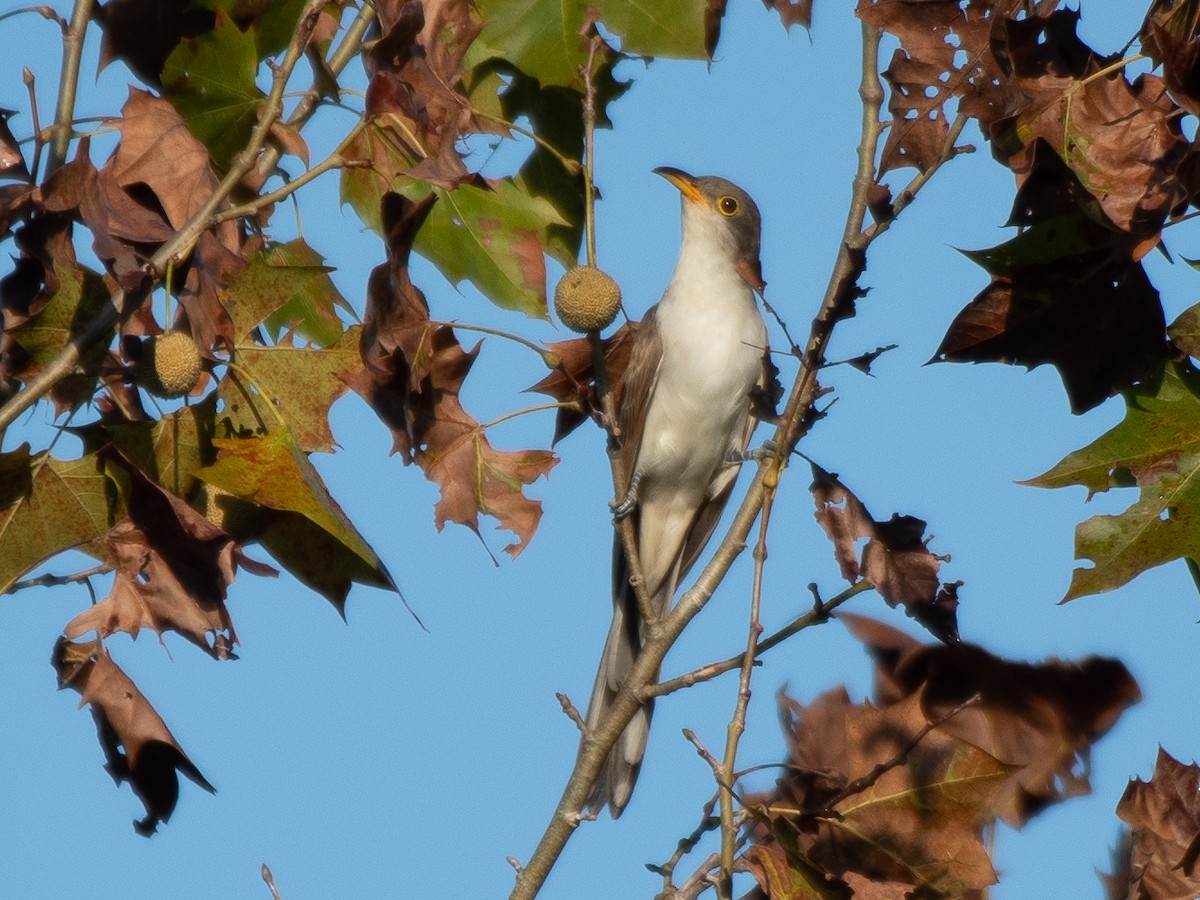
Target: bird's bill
(682,180)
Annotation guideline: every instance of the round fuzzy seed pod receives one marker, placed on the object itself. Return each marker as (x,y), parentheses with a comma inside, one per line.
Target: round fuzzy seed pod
(238,518)
(587,299)
(171,365)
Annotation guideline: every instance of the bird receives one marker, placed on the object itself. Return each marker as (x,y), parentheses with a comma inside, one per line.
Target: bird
(685,418)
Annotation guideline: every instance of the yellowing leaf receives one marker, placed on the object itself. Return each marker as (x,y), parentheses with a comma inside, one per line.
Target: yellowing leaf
(273,472)
(295,384)
(46,506)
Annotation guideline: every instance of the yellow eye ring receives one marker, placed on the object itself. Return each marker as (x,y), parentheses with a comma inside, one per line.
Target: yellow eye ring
(728,206)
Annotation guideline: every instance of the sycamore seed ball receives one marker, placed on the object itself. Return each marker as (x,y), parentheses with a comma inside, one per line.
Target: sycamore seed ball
(587,299)
(173,365)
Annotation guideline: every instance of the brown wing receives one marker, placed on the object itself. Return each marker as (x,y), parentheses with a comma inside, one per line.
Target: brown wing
(637,387)
(710,513)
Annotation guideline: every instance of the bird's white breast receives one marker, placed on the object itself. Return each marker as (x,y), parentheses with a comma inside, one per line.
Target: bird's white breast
(713,339)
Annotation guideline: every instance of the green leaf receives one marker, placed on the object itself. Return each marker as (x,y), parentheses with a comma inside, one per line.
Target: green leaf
(166,450)
(47,506)
(672,28)
(274,472)
(293,384)
(312,309)
(209,79)
(272,21)
(556,115)
(492,238)
(1156,447)
(542,37)
(283,283)
(80,296)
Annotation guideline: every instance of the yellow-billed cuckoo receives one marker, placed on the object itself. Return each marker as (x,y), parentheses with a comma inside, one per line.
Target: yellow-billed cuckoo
(685,420)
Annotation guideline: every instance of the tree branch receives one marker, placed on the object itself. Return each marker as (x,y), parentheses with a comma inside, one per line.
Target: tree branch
(737,724)
(637,688)
(68,84)
(175,250)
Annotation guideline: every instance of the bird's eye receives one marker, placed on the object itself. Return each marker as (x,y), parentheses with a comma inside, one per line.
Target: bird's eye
(728,206)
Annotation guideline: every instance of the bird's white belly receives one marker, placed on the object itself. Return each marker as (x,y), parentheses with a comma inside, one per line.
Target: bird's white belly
(711,361)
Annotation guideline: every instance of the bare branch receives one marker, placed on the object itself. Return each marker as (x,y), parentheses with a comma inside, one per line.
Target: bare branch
(68,83)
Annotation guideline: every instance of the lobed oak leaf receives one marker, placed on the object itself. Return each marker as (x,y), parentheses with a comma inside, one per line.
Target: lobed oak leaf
(895,558)
(876,792)
(138,747)
(1164,815)
(1041,718)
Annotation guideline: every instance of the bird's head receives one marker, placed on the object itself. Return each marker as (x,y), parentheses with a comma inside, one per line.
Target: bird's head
(717,210)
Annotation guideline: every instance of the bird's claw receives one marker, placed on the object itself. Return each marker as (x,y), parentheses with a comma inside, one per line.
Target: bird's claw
(627,504)
(766,451)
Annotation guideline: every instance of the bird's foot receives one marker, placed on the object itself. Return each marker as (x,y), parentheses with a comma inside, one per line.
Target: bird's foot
(737,457)
(627,504)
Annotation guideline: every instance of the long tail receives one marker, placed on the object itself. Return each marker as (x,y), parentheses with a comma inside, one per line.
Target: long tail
(615,785)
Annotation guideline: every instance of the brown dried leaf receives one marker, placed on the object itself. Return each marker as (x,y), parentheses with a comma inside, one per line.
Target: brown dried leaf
(415,70)
(138,746)
(411,376)
(12,163)
(173,568)
(1164,814)
(1041,718)
(574,379)
(860,797)
(895,559)
(791,12)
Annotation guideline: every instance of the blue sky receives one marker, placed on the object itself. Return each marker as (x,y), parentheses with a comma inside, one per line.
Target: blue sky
(374,759)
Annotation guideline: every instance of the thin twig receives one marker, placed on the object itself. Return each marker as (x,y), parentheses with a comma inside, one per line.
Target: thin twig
(333,161)
(270,882)
(49,580)
(817,616)
(708,822)
(571,712)
(737,724)
(31,87)
(68,84)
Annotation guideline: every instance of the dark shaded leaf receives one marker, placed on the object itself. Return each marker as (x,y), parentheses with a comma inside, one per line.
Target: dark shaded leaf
(1042,718)
(138,746)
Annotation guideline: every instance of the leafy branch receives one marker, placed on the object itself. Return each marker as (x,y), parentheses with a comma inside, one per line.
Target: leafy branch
(660,635)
